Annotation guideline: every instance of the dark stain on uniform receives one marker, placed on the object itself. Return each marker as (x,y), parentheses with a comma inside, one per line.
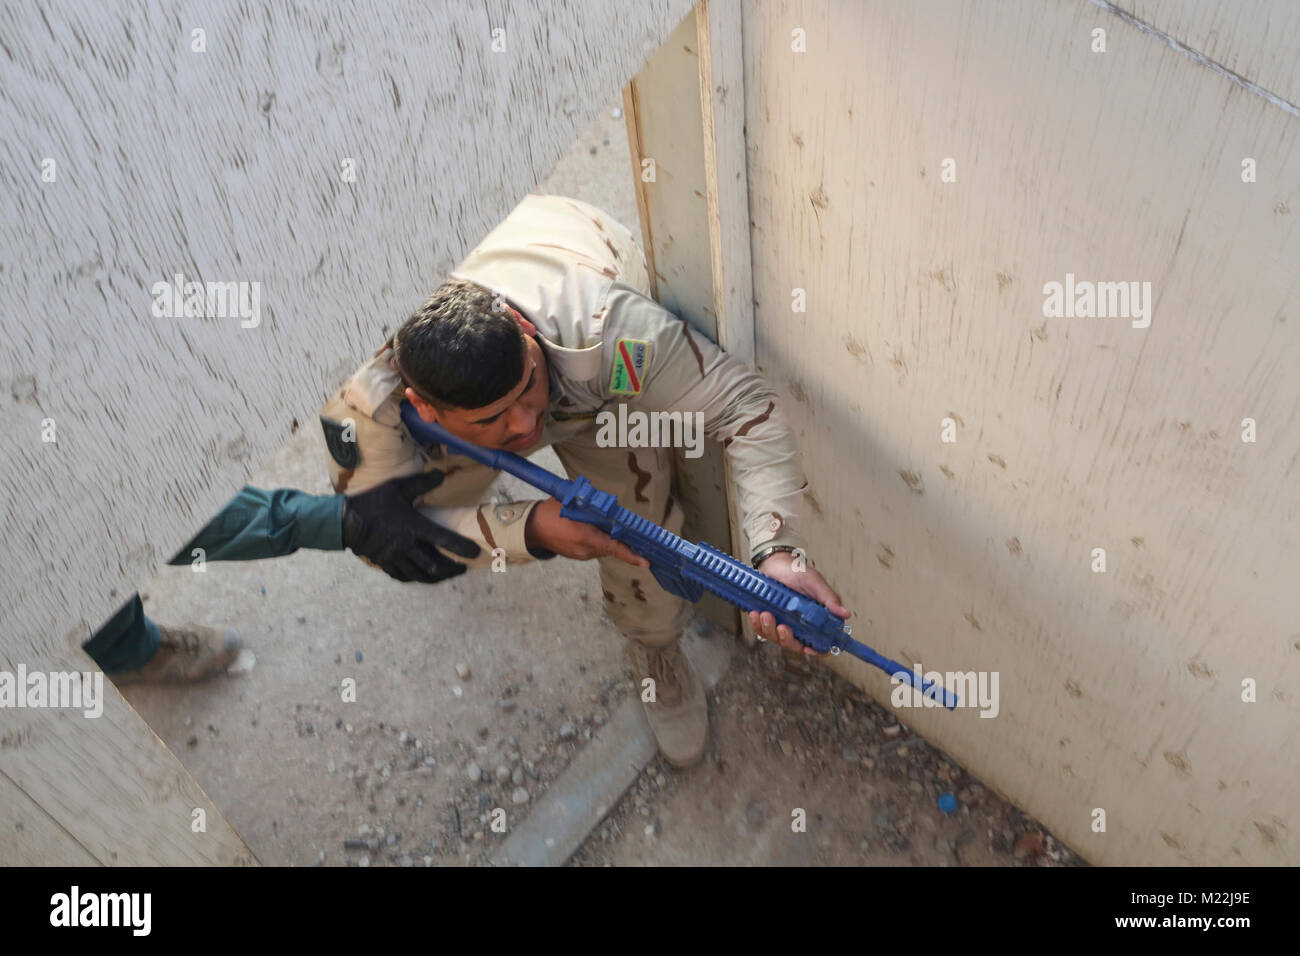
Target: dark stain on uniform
(947,471)
(609,272)
(745,428)
(1013,545)
(970,618)
(699,357)
(612,249)
(998,460)
(293,427)
(1073,689)
(608,596)
(886,555)
(798,392)
(1197,669)
(913,481)
(341,482)
(642,477)
(599,225)
(636,590)
(1170,840)
(1138,542)
(483,526)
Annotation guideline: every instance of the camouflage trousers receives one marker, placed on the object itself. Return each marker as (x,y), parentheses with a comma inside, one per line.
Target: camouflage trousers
(641,478)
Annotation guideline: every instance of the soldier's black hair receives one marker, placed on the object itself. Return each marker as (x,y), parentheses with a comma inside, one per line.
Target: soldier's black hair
(458,350)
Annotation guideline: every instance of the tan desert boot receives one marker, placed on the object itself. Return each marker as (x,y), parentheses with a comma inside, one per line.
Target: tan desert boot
(679,714)
(187,654)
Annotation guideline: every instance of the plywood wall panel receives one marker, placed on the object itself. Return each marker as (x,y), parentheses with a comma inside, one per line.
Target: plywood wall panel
(1120,690)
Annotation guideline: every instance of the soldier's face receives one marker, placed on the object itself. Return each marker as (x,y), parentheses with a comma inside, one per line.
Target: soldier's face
(512,423)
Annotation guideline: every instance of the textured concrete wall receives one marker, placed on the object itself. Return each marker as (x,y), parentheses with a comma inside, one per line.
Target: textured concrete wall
(229,165)
(1120,690)
(336,159)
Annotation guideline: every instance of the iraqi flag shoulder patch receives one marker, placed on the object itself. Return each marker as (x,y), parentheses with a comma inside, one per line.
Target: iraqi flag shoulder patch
(631,360)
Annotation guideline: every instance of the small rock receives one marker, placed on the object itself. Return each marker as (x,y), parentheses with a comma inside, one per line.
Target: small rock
(754,815)
(593,150)
(915,788)
(244,662)
(509,704)
(849,754)
(652,829)
(786,747)
(300,618)
(458,692)
(473,773)
(1029,846)
(519,797)
(430,761)
(568,731)
(517,778)
(405,739)
(502,773)
(462,671)
(616,112)
(193,741)
(358,656)
(893,730)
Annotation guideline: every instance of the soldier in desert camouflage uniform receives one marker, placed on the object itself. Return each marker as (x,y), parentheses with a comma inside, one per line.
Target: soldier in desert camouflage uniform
(546,323)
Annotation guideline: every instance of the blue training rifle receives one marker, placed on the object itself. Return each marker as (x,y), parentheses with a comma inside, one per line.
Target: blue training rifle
(680,567)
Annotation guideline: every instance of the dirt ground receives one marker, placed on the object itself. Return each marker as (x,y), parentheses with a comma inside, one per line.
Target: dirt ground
(475,694)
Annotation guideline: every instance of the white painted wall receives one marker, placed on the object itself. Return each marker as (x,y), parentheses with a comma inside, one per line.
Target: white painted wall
(1122,690)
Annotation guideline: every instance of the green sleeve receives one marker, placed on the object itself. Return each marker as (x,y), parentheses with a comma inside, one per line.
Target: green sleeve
(267,524)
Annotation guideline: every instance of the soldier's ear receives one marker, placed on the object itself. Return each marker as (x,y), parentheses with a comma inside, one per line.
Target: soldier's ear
(528,327)
(426,411)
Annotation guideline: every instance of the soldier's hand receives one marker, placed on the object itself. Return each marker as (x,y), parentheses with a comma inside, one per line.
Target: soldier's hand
(382,524)
(808,581)
(573,539)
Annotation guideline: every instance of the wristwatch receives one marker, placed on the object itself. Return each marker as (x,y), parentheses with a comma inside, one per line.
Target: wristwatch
(768,552)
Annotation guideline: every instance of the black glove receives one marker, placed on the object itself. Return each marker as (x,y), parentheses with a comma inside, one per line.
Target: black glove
(383,525)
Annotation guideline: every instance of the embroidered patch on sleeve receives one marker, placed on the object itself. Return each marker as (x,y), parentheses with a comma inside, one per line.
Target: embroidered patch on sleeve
(630,360)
